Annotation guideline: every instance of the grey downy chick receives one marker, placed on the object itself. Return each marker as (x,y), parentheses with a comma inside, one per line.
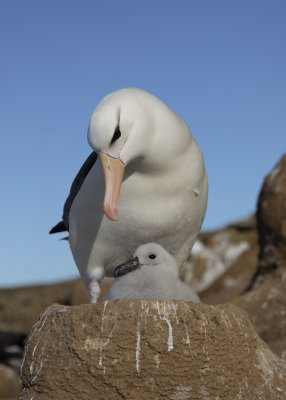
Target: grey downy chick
(152,274)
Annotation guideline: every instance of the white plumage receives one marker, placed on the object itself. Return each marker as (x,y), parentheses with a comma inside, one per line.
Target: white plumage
(156,277)
(163,195)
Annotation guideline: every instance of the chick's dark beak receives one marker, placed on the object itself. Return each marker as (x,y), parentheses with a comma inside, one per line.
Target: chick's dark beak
(127,267)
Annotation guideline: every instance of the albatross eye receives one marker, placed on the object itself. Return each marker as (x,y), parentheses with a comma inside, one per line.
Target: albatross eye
(152,256)
(116,135)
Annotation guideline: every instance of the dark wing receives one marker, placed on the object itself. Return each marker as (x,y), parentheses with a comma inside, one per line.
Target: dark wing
(75,188)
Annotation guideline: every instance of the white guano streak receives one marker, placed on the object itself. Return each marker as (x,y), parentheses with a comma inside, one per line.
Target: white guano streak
(36,331)
(187,336)
(138,347)
(164,318)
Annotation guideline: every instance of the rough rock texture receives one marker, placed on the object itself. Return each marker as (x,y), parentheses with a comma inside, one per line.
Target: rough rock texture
(266,306)
(19,310)
(234,281)
(266,301)
(271,219)
(149,350)
(216,253)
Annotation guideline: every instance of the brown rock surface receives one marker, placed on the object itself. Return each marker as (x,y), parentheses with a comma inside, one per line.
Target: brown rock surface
(220,256)
(19,310)
(266,300)
(266,306)
(149,350)
(10,385)
(234,281)
(271,218)
(20,307)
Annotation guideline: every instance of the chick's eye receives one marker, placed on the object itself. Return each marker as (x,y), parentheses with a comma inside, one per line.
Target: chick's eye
(116,135)
(152,256)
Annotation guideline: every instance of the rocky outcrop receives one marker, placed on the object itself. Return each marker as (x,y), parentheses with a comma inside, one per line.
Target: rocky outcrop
(266,306)
(234,281)
(216,254)
(221,266)
(271,218)
(20,307)
(19,310)
(266,300)
(149,349)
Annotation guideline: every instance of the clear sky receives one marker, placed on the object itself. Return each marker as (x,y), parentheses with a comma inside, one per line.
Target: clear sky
(221,65)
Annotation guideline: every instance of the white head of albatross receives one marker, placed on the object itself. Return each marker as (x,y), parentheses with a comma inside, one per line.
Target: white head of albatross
(154,186)
(151,274)
(125,128)
(120,135)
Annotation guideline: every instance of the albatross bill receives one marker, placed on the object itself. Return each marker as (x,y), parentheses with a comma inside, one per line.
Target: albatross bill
(113,173)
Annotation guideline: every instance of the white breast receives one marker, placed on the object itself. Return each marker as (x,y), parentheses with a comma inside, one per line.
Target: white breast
(161,207)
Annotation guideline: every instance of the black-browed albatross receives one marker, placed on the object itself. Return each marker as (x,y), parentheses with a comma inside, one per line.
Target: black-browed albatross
(152,184)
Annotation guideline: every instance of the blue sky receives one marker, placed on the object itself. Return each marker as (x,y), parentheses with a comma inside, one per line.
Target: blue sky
(219,64)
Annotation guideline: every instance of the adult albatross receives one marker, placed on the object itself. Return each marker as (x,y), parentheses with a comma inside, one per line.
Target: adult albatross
(152,185)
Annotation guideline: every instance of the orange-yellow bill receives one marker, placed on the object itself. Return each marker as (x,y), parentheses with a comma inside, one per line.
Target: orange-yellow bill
(113,173)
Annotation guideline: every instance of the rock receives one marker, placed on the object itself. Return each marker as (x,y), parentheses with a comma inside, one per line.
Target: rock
(234,281)
(20,307)
(216,253)
(10,385)
(265,301)
(266,306)
(149,349)
(271,221)
(11,348)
